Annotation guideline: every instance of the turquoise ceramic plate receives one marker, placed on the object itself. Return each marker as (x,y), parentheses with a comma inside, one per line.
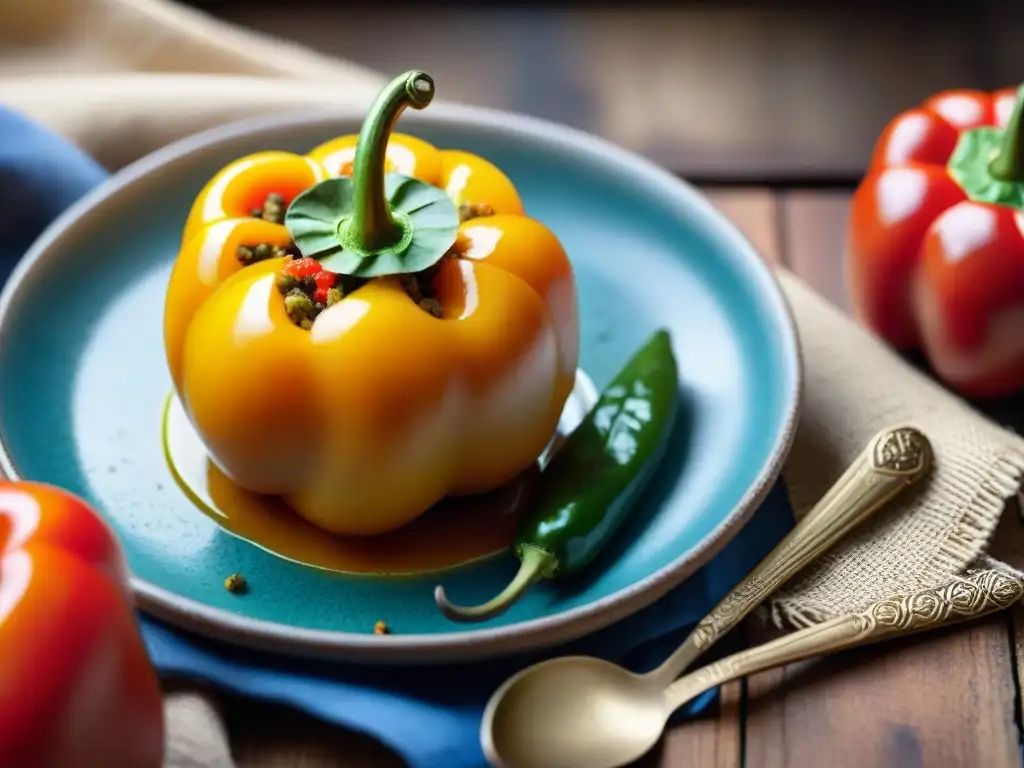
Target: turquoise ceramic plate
(84,382)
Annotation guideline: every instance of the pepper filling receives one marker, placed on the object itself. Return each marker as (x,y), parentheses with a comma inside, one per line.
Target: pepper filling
(309,290)
(273,209)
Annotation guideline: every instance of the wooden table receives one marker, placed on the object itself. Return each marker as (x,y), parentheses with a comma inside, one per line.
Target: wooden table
(948,699)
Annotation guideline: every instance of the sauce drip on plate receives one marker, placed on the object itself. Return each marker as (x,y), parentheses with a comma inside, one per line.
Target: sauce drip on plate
(453,532)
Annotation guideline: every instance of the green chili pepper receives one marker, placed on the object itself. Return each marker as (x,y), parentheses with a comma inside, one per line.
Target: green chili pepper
(589,486)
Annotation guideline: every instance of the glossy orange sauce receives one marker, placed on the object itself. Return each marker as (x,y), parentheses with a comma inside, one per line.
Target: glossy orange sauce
(453,532)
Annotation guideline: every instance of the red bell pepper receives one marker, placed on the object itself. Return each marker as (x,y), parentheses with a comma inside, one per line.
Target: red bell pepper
(76,686)
(935,247)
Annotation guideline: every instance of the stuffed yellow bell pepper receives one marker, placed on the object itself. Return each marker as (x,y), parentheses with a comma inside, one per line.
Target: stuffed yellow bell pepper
(371,327)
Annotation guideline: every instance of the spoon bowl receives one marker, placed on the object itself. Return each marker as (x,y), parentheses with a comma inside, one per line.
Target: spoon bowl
(559,714)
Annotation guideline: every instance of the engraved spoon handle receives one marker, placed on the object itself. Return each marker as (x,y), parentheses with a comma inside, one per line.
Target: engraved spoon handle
(964,598)
(894,459)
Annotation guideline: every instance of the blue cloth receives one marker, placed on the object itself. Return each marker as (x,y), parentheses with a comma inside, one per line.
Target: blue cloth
(430,716)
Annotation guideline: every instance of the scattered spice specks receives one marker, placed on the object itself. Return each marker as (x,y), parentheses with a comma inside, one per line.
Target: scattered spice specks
(235,583)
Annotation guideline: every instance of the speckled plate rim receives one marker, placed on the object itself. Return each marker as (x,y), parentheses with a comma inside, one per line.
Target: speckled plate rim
(467,644)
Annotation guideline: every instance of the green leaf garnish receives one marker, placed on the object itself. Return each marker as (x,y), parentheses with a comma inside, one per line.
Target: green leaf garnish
(375,223)
(320,221)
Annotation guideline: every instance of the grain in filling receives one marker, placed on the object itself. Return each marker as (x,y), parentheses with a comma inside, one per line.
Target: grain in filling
(308,290)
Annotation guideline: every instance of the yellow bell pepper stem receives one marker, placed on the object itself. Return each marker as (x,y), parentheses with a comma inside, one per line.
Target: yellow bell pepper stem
(372,226)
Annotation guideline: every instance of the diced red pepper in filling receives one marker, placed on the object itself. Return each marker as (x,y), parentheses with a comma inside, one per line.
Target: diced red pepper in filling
(302,268)
(307,267)
(324,281)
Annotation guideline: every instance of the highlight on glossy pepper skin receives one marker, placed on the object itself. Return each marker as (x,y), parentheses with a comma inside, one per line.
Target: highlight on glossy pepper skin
(906,187)
(969,287)
(969,298)
(379,410)
(76,685)
(241,187)
(890,214)
(205,261)
(914,224)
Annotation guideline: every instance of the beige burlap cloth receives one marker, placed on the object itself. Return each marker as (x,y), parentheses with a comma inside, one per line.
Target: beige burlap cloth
(123,77)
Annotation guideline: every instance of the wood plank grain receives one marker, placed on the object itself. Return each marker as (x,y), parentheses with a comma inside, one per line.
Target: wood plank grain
(722,90)
(1008,546)
(754,211)
(267,735)
(813,235)
(710,741)
(945,699)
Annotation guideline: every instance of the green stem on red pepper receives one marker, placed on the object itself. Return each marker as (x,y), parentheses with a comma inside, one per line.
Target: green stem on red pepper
(1008,164)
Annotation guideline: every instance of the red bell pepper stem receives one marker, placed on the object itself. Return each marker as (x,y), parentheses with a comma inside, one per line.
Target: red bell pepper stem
(1008,165)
